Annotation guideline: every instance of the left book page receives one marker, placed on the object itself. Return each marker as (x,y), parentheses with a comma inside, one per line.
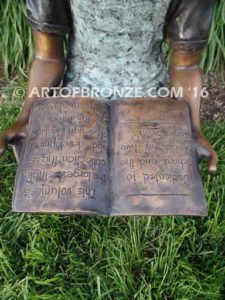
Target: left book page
(64,163)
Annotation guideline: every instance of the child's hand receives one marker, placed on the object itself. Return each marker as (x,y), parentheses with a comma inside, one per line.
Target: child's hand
(205,149)
(12,134)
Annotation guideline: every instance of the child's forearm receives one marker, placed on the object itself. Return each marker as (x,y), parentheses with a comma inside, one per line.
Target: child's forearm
(46,71)
(47,68)
(186,76)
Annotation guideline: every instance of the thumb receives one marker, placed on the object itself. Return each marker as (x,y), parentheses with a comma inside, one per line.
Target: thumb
(213,160)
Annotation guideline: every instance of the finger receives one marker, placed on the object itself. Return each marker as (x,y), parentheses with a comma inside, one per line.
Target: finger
(16,134)
(212,164)
(3,144)
(16,137)
(204,149)
(212,156)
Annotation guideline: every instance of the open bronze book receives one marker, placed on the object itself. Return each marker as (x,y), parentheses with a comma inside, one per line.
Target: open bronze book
(128,157)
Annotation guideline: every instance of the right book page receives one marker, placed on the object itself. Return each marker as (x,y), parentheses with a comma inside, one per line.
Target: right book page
(154,162)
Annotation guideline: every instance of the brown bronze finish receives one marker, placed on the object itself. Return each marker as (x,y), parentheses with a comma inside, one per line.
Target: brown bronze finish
(46,71)
(129,157)
(184,58)
(185,75)
(136,179)
(48,68)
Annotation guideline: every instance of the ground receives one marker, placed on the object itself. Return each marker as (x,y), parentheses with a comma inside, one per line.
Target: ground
(213,107)
(78,257)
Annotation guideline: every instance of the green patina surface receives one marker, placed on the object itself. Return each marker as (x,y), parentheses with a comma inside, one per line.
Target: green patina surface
(117,44)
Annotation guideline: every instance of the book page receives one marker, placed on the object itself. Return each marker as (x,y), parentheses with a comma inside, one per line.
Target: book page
(155,170)
(64,160)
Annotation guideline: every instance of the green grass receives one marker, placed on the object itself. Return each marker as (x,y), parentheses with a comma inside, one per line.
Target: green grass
(15,37)
(17,46)
(78,257)
(213,58)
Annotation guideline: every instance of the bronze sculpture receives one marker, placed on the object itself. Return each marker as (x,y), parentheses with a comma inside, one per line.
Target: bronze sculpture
(104,51)
(127,157)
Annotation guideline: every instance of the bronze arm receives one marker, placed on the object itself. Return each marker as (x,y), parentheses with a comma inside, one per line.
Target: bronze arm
(48,68)
(46,71)
(185,74)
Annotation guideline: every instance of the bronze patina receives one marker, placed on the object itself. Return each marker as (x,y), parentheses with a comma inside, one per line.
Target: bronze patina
(165,179)
(128,157)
